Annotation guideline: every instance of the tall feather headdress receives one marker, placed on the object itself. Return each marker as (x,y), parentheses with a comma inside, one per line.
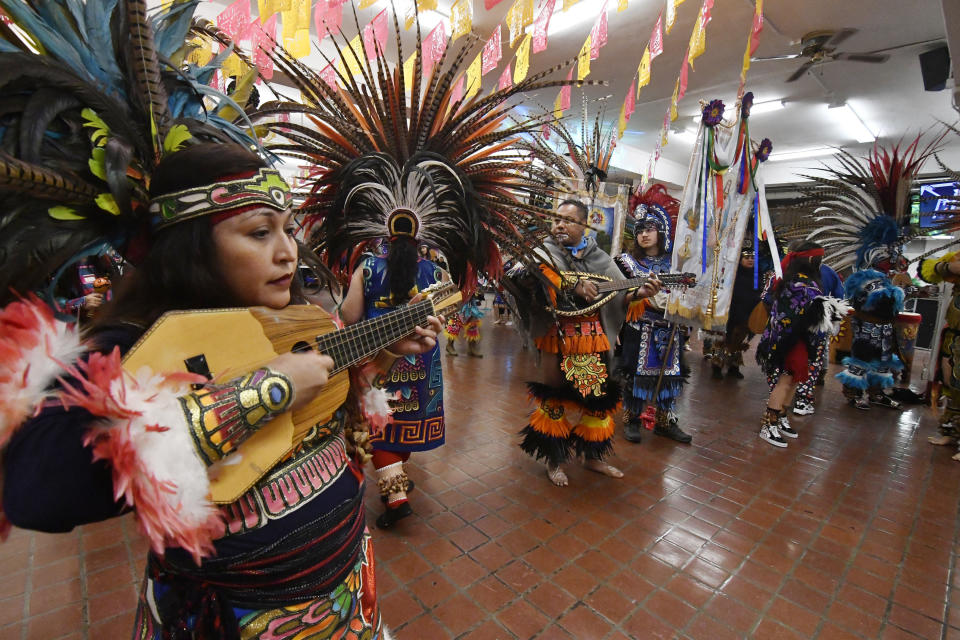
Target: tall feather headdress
(92,95)
(452,168)
(862,208)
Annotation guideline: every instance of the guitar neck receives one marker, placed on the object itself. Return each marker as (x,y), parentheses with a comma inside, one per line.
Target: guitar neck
(359,341)
(618,285)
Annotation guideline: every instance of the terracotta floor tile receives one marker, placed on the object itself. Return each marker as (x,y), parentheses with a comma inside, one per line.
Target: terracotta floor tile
(644,625)
(492,594)
(551,599)
(670,608)
(55,624)
(914,622)
(460,614)
(697,543)
(522,620)
(794,616)
(55,596)
(425,626)
(851,619)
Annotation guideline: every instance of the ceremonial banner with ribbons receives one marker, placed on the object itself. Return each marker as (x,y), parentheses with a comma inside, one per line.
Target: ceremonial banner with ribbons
(714,216)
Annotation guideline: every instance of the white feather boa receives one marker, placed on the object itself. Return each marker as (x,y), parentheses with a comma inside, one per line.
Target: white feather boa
(146,440)
(35,349)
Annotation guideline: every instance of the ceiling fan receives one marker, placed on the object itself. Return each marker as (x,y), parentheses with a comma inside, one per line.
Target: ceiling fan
(820,47)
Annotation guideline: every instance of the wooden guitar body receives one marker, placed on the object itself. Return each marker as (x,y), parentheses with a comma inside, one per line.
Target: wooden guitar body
(233,342)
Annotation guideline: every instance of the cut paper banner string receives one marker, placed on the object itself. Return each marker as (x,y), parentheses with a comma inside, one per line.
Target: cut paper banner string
(433,47)
(263,37)
(375,35)
(234,19)
(518,17)
(656,38)
(491,54)
(541,25)
(461,18)
(522,65)
(598,34)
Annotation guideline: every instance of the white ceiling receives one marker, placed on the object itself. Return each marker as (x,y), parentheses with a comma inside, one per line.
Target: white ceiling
(889,97)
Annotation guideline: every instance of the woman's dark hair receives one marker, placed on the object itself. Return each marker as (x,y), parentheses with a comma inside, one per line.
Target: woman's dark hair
(179,269)
(802,266)
(402,258)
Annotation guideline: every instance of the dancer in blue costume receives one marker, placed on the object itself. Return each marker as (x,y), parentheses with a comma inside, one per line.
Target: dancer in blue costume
(651,346)
(414,383)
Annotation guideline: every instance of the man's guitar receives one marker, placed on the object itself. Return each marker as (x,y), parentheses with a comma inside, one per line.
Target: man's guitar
(569,305)
(226,343)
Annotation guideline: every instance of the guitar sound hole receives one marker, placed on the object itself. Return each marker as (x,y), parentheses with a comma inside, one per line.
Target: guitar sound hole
(300,347)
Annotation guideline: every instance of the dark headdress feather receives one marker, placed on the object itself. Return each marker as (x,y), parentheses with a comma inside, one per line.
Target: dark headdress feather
(462,161)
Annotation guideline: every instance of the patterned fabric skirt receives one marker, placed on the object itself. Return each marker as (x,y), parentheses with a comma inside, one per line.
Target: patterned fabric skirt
(643,357)
(349,612)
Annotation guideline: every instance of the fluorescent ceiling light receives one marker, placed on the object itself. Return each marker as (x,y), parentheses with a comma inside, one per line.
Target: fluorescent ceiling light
(852,123)
(561,20)
(766,107)
(803,153)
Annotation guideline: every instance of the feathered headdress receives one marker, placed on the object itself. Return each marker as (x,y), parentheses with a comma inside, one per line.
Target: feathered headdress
(658,208)
(864,209)
(94,94)
(590,158)
(445,169)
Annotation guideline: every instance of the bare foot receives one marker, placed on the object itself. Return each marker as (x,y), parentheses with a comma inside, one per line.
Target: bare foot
(956,457)
(940,439)
(557,476)
(602,467)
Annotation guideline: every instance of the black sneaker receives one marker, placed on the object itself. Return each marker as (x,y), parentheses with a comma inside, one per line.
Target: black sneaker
(673,431)
(391,516)
(785,429)
(633,430)
(734,372)
(883,400)
(717,373)
(770,432)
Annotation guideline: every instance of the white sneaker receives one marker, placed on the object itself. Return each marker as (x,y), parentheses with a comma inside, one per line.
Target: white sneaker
(786,429)
(771,433)
(802,408)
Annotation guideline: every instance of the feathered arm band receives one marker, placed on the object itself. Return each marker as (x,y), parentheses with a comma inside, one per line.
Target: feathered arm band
(826,314)
(937,270)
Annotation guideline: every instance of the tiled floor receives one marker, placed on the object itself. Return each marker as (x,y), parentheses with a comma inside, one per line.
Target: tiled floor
(851,532)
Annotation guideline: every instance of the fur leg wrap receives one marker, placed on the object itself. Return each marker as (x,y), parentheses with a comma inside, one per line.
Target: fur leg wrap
(547,434)
(593,435)
(393,483)
(147,441)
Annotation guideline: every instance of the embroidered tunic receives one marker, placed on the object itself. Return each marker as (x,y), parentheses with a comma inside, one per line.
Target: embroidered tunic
(418,422)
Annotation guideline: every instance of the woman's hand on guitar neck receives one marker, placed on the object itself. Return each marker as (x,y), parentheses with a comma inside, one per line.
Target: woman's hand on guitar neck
(307,370)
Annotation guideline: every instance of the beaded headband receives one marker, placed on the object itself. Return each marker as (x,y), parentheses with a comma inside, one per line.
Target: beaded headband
(266,188)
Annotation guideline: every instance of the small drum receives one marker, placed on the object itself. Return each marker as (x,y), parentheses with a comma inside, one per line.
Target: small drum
(906,327)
